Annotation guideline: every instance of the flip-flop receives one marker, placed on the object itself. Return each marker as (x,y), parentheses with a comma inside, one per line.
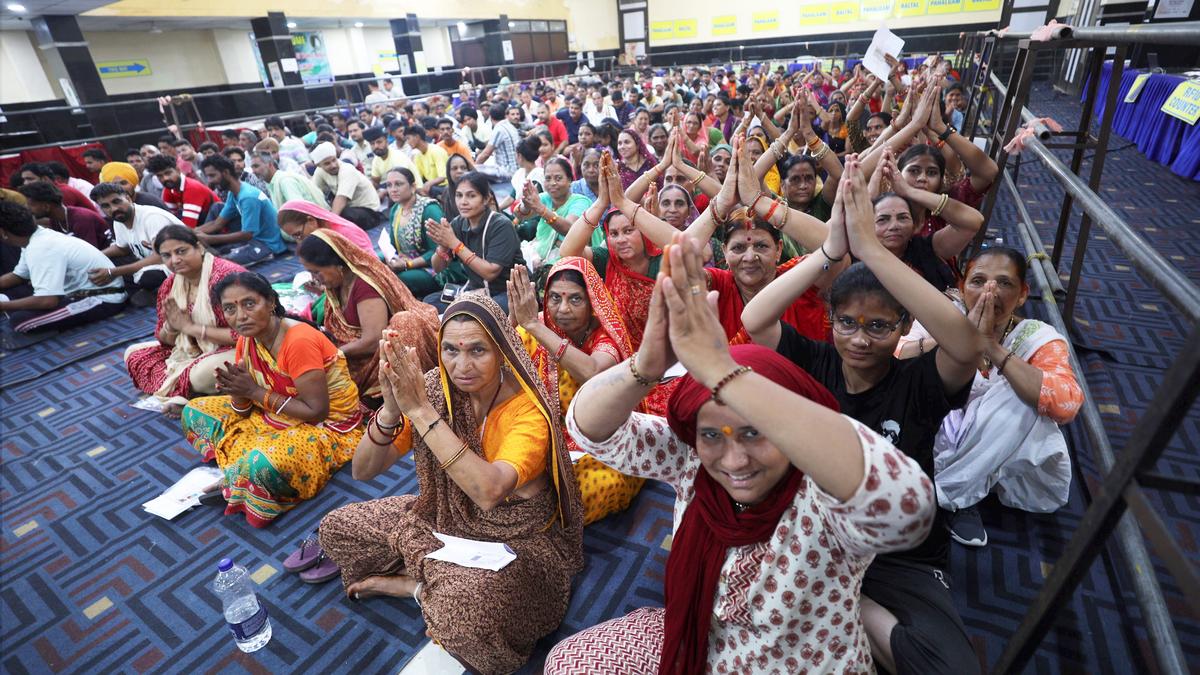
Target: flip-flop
(309,554)
(324,570)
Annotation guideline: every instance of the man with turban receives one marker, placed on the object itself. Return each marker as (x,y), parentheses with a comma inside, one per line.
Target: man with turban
(127,177)
(354,196)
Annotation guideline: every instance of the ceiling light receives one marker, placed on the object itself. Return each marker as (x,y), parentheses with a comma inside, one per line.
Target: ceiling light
(14,7)
(462,27)
(291,24)
(358,24)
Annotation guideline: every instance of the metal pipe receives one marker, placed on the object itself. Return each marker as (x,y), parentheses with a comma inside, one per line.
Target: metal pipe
(1174,286)
(1038,128)
(1182,33)
(1033,241)
(1128,538)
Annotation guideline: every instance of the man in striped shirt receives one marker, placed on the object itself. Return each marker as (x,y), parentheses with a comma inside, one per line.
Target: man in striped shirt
(187,197)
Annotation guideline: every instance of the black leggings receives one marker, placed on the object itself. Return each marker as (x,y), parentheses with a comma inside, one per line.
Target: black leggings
(363,217)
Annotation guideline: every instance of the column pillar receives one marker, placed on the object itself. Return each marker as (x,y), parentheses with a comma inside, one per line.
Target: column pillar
(406,35)
(72,68)
(279,58)
(495,37)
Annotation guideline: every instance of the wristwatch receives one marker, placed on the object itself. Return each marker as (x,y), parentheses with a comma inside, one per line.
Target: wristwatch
(946,134)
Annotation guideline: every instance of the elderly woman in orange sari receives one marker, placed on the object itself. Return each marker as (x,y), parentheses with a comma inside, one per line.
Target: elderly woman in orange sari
(579,335)
(288,415)
(363,297)
(491,465)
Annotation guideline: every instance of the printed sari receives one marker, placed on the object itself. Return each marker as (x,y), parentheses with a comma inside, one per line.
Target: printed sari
(491,621)
(414,320)
(603,490)
(270,460)
(165,370)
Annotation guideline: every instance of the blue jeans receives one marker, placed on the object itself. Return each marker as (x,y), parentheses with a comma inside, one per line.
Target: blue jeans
(249,253)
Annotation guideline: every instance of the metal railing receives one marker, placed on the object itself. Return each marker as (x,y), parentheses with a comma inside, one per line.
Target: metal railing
(1132,469)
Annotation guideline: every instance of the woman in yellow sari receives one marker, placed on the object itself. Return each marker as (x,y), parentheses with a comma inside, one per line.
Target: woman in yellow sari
(491,466)
(579,335)
(288,416)
(362,297)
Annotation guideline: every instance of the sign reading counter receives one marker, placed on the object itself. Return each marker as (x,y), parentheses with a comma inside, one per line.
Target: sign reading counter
(1184,102)
(130,68)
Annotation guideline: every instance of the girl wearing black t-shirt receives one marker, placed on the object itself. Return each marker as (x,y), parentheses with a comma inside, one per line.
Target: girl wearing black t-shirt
(907,608)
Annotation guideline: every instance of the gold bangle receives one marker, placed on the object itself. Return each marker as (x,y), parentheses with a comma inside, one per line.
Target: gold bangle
(697,179)
(454,459)
(941,205)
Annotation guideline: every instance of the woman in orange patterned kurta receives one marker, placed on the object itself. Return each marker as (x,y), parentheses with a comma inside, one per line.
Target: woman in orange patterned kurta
(289,416)
(579,335)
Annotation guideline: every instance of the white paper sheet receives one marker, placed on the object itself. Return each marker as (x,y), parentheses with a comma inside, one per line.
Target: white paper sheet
(151,403)
(884,43)
(184,494)
(484,555)
(576,456)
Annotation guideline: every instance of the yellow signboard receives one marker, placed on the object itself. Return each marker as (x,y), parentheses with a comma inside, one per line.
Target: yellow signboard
(814,15)
(844,12)
(662,30)
(910,7)
(1184,102)
(766,21)
(875,10)
(945,6)
(130,68)
(1136,88)
(724,25)
(981,5)
(685,28)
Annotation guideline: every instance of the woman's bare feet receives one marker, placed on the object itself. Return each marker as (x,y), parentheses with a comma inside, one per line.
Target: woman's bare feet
(173,410)
(396,586)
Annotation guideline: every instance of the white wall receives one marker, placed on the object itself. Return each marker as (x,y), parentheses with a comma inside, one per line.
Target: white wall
(436,42)
(592,25)
(237,56)
(178,59)
(24,76)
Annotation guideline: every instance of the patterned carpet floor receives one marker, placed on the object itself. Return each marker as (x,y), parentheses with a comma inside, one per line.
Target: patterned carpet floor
(91,583)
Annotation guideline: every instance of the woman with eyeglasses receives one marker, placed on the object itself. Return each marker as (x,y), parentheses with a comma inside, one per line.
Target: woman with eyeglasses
(907,609)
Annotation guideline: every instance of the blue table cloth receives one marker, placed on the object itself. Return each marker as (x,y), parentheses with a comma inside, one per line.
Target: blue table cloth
(1165,139)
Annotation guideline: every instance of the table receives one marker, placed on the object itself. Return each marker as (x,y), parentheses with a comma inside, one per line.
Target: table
(1165,139)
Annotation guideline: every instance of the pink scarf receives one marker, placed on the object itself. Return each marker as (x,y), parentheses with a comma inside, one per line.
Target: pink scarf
(333,221)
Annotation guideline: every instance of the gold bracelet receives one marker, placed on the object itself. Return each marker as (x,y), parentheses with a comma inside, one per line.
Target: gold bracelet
(941,205)
(733,374)
(454,459)
(820,154)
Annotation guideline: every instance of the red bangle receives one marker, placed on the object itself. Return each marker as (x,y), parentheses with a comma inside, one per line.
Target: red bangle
(562,349)
(754,204)
(458,249)
(473,256)
(771,211)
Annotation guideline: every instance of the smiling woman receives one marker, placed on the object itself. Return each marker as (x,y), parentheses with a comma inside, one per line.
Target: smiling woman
(191,339)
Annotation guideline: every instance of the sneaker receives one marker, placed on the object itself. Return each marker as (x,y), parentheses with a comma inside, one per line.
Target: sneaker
(966,527)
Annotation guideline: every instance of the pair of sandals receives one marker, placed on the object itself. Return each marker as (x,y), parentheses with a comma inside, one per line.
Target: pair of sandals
(311,563)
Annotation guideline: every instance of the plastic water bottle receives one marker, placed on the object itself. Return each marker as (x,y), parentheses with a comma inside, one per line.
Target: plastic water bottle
(244,614)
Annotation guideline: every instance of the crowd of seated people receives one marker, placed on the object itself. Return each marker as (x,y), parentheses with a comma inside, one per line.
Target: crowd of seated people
(551,292)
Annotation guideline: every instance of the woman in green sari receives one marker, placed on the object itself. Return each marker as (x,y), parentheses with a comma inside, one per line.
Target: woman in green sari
(404,244)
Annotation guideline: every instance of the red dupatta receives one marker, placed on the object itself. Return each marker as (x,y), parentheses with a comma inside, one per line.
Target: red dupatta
(630,289)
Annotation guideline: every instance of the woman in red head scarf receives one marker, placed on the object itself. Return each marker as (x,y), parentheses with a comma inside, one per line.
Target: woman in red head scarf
(779,509)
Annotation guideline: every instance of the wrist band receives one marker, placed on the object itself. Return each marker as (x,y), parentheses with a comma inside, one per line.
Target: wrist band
(946,133)
(1000,368)
(473,256)
(458,249)
(829,257)
(733,374)
(429,428)
(643,381)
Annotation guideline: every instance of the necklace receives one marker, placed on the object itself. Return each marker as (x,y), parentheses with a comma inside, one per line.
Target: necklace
(483,425)
(740,507)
